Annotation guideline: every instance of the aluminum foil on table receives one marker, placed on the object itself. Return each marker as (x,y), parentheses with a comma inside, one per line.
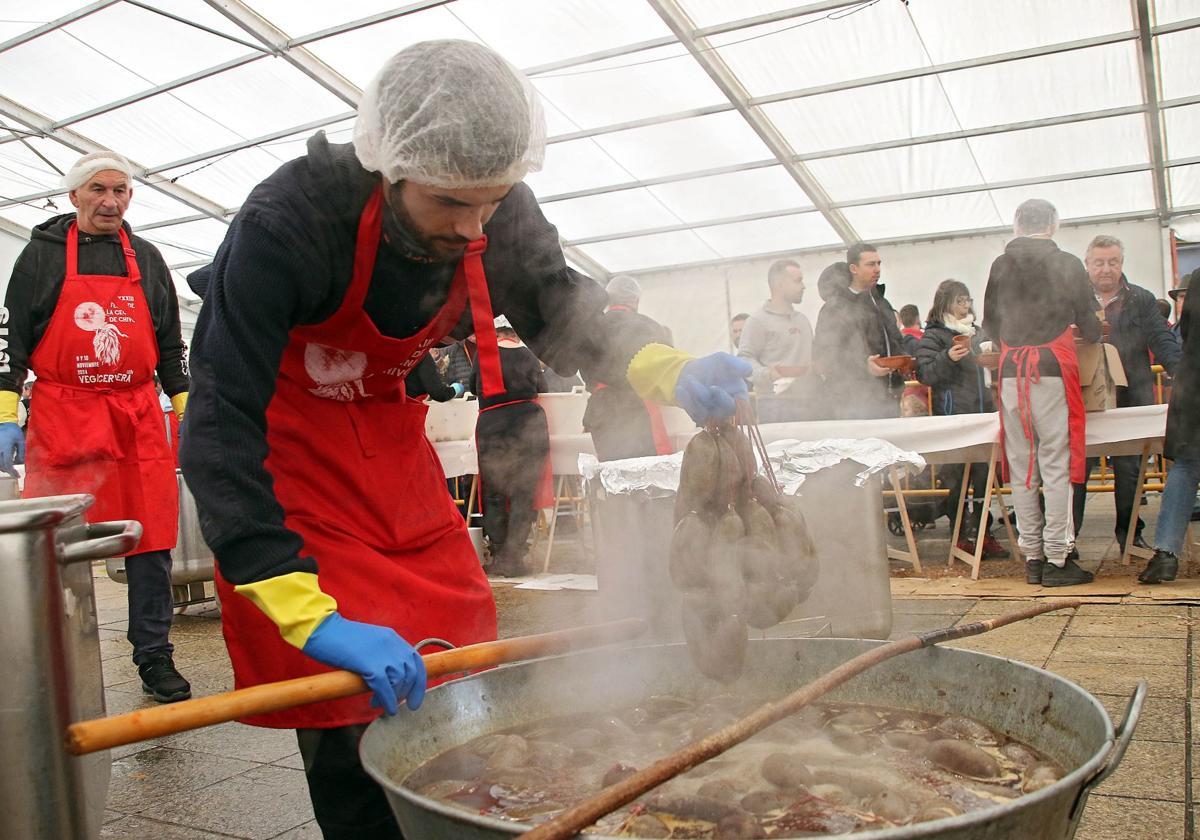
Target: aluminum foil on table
(794,460)
(660,472)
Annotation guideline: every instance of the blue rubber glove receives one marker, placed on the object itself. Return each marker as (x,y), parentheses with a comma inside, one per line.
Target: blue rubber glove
(12,447)
(459,388)
(707,387)
(389,665)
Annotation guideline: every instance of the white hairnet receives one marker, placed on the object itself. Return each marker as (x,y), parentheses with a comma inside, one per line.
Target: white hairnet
(623,290)
(450,114)
(94,162)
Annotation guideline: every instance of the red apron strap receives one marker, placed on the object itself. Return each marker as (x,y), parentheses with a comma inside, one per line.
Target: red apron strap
(72,250)
(658,429)
(366,247)
(501,405)
(131,267)
(481,314)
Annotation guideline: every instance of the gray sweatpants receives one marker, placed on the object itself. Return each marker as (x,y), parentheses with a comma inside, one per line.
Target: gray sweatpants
(1046,534)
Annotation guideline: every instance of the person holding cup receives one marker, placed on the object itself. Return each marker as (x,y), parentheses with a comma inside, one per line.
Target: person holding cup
(946,363)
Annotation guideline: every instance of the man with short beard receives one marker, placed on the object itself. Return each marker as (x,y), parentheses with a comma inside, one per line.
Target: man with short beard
(92,312)
(339,273)
(1136,330)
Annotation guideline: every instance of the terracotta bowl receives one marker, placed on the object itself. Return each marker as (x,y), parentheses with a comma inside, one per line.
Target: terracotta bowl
(897,363)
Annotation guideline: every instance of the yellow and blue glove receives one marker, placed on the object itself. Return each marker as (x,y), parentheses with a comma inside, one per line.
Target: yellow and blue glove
(12,439)
(706,388)
(308,619)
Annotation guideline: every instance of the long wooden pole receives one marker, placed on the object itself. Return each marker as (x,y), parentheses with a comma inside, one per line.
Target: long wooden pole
(576,819)
(103,733)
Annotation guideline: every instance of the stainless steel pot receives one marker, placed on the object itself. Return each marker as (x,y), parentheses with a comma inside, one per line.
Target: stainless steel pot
(50,647)
(1026,703)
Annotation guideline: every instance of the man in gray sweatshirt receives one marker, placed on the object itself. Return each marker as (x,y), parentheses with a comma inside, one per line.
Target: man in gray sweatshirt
(777,341)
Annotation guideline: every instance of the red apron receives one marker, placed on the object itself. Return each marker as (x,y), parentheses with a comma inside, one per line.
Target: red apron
(95,423)
(543,496)
(360,483)
(1026,361)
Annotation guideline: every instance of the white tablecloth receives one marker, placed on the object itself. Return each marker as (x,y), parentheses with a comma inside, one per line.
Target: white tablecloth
(940,440)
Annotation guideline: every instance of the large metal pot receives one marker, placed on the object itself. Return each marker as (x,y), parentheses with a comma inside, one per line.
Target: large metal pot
(1026,703)
(50,646)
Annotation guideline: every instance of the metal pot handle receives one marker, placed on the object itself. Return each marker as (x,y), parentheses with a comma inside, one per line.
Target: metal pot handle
(1122,735)
(434,640)
(104,539)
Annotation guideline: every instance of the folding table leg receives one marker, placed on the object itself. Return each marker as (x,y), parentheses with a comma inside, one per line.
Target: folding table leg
(958,516)
(1129,550)
(472,498)
(911,555)
(977,560)
(553,523)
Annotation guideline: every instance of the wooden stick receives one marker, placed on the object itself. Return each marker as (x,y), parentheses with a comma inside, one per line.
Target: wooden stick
(102,733)
(576,819)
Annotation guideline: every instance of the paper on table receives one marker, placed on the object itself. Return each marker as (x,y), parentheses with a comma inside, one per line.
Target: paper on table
(554,583)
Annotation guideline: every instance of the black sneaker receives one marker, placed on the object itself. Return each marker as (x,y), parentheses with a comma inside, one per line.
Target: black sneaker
(1163,566)
(1073,554)
(1033,571)
(1068,575)
(162,681)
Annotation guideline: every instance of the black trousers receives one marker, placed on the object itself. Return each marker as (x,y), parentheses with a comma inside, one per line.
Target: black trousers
(513,444)
(348,803)
(1125,468)
(150,605)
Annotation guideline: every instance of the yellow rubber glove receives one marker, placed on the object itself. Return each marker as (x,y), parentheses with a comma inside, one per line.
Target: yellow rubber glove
(8,406)
(293,601)
(179,403)
(654,372)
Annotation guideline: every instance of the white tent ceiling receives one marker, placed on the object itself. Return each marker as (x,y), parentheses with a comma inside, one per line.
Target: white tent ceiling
(682,131)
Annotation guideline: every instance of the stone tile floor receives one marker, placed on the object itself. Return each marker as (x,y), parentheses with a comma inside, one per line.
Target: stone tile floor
(242,782)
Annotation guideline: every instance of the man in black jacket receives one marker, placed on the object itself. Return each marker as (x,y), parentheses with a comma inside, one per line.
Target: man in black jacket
(95,333)
(1035,292)
(855,327)
(325,506)
(621,423)
(1137,330)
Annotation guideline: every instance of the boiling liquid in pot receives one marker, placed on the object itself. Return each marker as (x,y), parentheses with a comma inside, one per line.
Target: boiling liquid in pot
(829,769)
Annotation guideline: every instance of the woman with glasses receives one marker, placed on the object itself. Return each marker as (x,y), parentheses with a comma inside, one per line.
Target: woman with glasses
(946,363)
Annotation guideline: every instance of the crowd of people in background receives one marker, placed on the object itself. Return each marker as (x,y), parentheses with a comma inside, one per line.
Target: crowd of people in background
(1038,300)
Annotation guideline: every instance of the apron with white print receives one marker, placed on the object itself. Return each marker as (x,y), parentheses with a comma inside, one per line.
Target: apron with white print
(95,423)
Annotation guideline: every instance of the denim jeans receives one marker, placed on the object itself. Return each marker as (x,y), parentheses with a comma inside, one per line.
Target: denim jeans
(150,604)
(1178,499)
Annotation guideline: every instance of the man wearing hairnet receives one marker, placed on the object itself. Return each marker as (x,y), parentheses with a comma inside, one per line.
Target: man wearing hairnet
(337,545)
(91,310)
(621,423)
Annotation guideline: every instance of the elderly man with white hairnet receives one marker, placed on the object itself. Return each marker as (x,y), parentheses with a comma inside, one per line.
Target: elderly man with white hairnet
(621,422)
(91,310)
(337,545)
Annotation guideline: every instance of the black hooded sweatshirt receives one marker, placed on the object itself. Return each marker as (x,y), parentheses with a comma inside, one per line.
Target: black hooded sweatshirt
(37,281)
(287,260)
(1035,292)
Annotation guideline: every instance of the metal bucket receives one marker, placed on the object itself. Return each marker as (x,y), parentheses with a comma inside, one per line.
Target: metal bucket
(191,560)
(1031,705)
(50,645)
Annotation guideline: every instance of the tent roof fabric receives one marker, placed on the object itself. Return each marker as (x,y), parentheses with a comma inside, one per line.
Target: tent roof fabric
(681,131)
